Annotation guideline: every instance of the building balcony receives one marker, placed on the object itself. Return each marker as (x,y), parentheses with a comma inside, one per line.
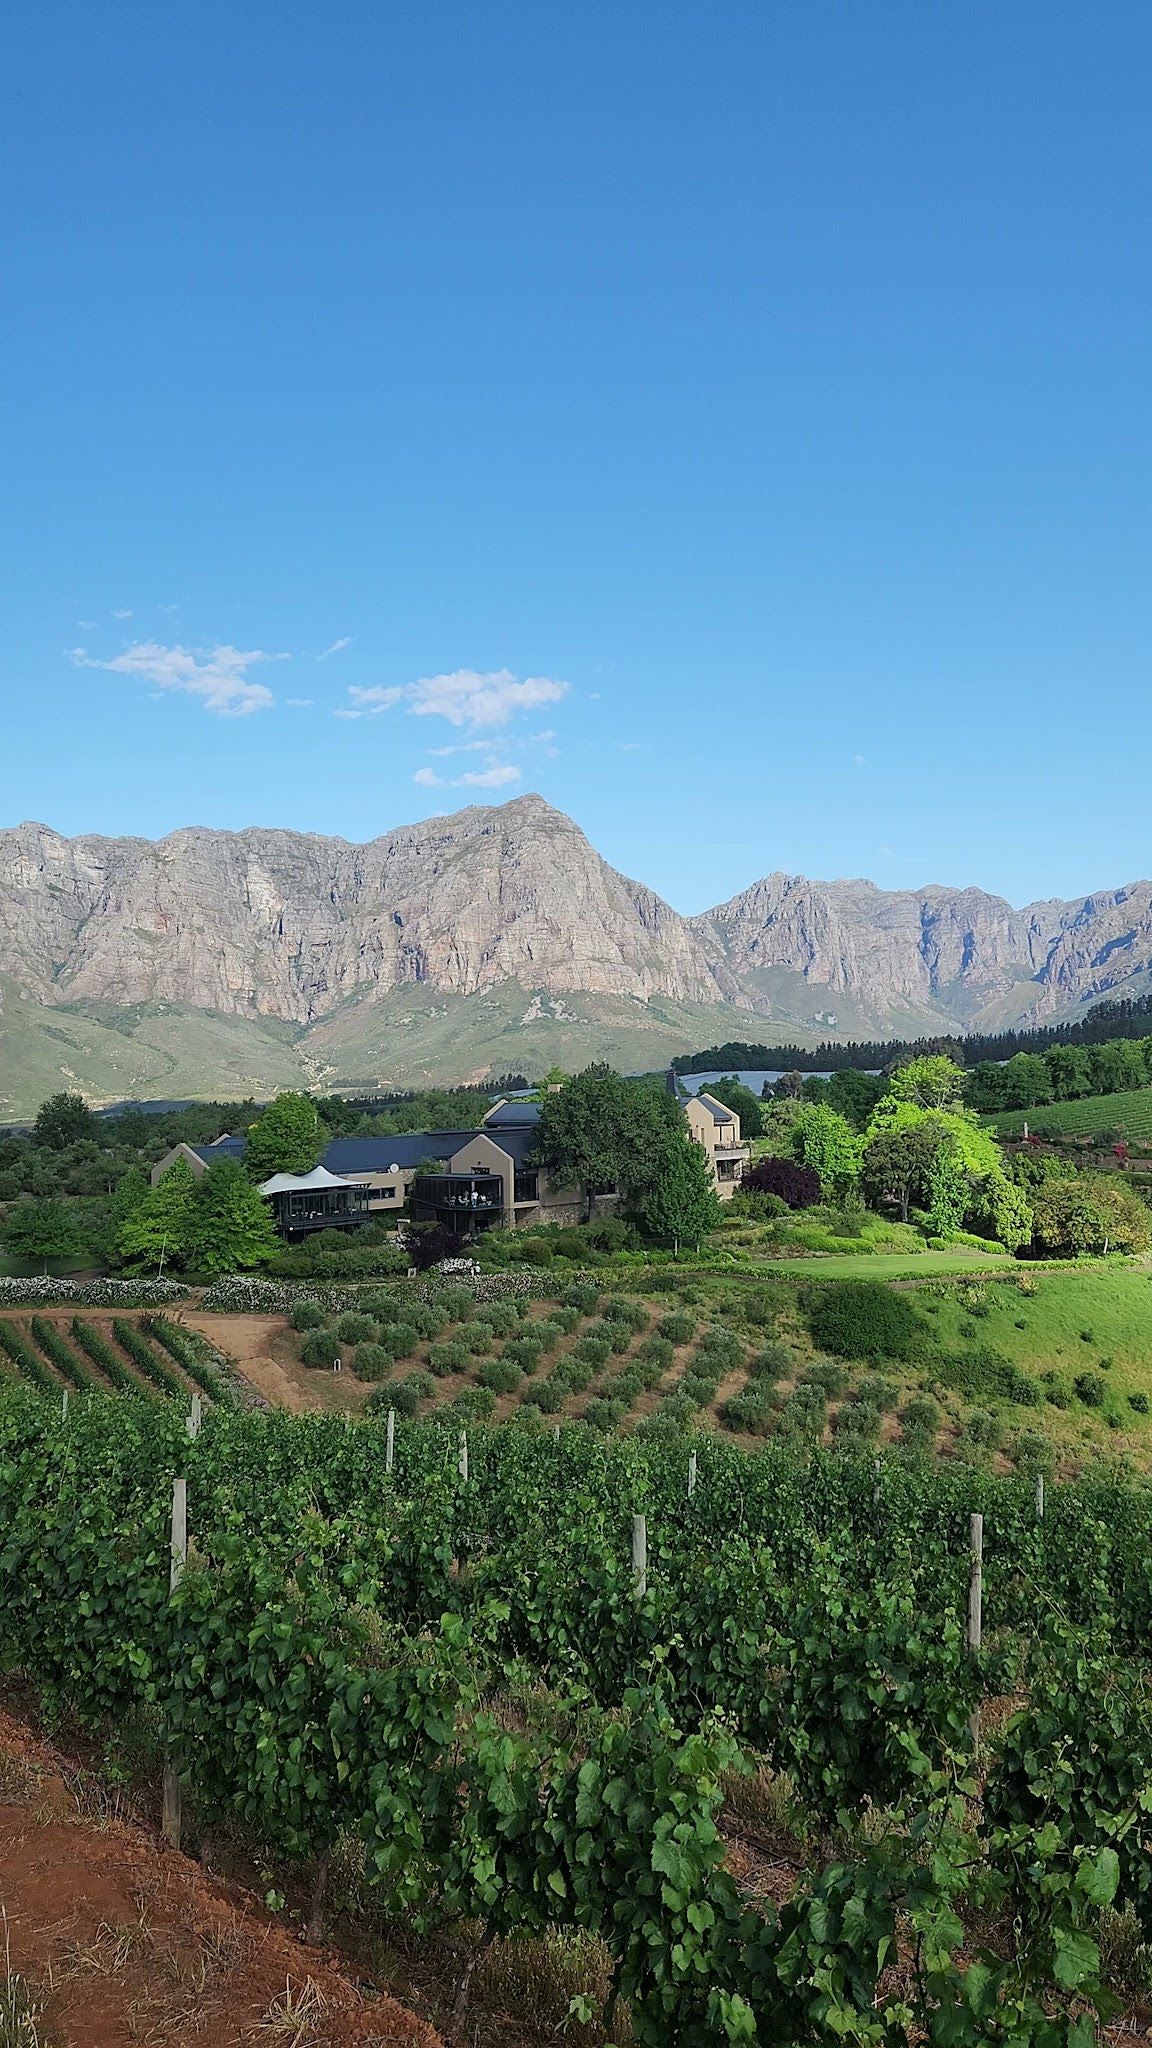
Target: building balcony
(300,1215)
(465,1202)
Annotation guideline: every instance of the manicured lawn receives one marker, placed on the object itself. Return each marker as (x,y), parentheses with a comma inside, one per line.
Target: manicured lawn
(891,1265)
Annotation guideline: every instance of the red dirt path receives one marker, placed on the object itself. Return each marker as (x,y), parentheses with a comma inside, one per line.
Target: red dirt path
(125,1943)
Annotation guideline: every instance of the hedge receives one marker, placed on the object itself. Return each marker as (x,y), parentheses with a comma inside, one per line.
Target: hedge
(46,1293)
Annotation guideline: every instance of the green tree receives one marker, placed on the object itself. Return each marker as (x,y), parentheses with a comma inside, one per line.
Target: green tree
(984,1089)
(600,1133)
(1116,1066)
(824,1140)
(1027,1081)
(288,1138)
(931,1082)
(912,1140)
(159,1231)
(62,1121)
(36,1231)
(852,1093)
(789,1088)
(130,1191)
(898,1165)
(231,1228)
(681,1205)
(736,1097)
(1005,1213)
(549,1082)
(1093,1214)
(1069,1072)
(949,1190)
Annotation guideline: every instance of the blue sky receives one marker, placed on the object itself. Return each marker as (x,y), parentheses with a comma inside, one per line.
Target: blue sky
(731,421)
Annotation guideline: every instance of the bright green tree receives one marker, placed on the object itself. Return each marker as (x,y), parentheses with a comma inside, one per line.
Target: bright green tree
(993,1206)
(548,1083)
(231,1228)
(62,1121)
(36,1231)
(825,1140)
(931,1082)
(1005,1213)
(288,1138)
(681,1205)
(159,1231)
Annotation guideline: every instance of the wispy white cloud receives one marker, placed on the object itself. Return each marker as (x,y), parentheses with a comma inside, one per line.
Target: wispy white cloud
(121,615)
(86,625)
(496,776)
(464,698)
(218,676)
(337,647)
(858,760)
(299,703)
(368,703)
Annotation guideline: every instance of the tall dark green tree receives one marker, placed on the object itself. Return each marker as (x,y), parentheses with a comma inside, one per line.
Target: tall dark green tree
(601,1133)
(62,1121)
(38,1231)
(681,1205)
(288,1138)
(230,1226)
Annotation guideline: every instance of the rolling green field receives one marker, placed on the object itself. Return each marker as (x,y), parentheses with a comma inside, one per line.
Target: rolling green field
(1128,1113)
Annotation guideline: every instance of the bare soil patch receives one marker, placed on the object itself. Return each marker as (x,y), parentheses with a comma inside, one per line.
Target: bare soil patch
(123,1942)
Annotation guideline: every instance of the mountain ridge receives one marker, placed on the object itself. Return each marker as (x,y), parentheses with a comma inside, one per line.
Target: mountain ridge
(322,940)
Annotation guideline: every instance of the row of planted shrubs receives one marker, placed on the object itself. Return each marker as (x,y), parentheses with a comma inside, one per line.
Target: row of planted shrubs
(503,1347)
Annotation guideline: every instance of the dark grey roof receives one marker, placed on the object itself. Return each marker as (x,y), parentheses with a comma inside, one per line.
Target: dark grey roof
(720,1115)
(379,1155)
(512,1116)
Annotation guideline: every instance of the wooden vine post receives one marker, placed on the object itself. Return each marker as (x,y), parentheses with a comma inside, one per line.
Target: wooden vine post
(975,1605)
(691,1473)
(179,1558)
(64,1406)
(390,1441)
(464,1456)
(640,1554)
(195,1417)
(1039,1496)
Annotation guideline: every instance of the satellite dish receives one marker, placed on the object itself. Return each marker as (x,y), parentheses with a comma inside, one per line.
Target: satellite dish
(393,1169)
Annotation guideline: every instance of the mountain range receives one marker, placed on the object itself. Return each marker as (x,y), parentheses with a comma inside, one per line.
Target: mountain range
(223,963)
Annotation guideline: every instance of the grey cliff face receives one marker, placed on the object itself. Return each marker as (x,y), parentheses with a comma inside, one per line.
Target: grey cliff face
(278,924)
(289,924)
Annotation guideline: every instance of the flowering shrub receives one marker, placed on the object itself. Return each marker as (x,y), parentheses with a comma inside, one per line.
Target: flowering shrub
(241,1294)
(43,1292)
